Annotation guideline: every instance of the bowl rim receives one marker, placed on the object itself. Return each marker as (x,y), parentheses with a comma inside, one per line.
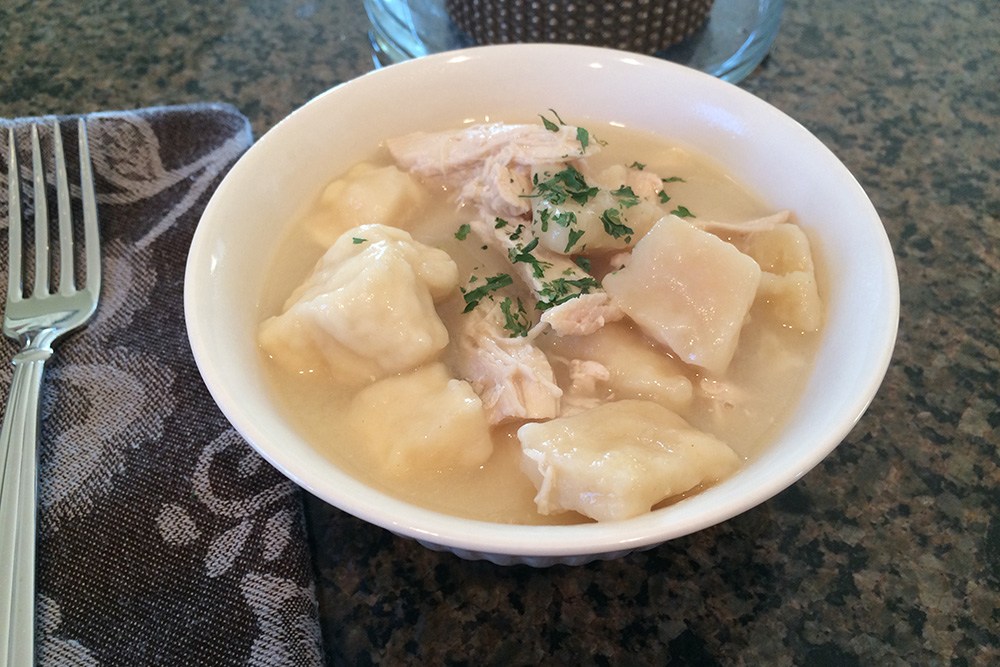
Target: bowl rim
(408,520)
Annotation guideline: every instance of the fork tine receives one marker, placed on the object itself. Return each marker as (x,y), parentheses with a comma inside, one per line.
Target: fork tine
(66,285)
(13,223)
(40,285)
(91,234)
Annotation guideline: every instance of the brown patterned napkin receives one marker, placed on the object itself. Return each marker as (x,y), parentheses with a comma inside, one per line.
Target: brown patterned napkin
(164,539)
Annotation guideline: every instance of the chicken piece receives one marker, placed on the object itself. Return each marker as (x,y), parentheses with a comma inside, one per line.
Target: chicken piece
(455,155)
(500,189)
(490,164)
(582,315)
(583,392)
(579,304)
(511,375)
(637,368)
(617,460)
(688,290)
(727,230)
(367,310)
(422,421)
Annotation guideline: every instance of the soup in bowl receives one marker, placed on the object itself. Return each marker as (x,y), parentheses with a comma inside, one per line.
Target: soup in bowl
(541,303)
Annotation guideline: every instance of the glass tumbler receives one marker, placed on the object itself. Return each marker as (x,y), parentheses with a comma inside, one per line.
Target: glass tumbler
(725,38)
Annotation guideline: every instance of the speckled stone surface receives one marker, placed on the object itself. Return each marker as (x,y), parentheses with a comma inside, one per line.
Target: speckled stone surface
(888,553)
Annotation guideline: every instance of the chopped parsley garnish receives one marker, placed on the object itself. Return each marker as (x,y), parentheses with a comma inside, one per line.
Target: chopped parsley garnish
(574,236)
(515,321)
(355,239)
(613,224)
(543,217)
(638,165)
(582,135)
(583,263)
(566,184)
(682,212)
(626,196)
(500,222)
(549,125)
(561,290)
(673,179)
(664,197)
(463,232)
(564,218)
(493,283)
(523,254)
(561,218)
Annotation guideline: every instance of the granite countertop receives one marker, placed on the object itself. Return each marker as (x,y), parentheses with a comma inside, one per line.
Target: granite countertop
(887,553)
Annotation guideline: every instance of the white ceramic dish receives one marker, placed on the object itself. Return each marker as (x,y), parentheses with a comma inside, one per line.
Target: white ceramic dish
(771,153)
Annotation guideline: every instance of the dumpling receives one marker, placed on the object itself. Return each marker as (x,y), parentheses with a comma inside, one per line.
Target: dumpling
(636,368)
(367,195)
(617,460)
(423,420)
(367,310)
(689,290)
(788,281)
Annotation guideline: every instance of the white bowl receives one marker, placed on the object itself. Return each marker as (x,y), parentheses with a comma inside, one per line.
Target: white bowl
(765,149)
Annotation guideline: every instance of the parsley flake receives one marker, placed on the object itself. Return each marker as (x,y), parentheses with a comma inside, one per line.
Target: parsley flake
(613,225)
(664,197)
(673,179)
(626,196)
(523,254)
(356,240)
(493,283)
(463,232)
(543,217)
(515,321)
(583,263)
(561,290)
(564,218)
(682,212)
(563,185)
(574,236)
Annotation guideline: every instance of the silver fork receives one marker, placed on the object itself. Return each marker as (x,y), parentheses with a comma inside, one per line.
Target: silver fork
(36,321)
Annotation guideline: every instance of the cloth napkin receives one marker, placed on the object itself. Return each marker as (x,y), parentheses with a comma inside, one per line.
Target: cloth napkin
(164,539)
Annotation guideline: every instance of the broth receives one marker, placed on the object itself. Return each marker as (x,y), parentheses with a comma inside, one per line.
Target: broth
(745,407)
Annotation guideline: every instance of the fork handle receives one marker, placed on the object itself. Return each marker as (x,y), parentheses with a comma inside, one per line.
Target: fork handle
(18,503)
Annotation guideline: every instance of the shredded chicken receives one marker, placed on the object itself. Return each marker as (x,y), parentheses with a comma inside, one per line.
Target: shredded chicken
(512,377)
(583,393)
(457,154)
(577,315)
(583,315)
(763,224)
(492,165)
